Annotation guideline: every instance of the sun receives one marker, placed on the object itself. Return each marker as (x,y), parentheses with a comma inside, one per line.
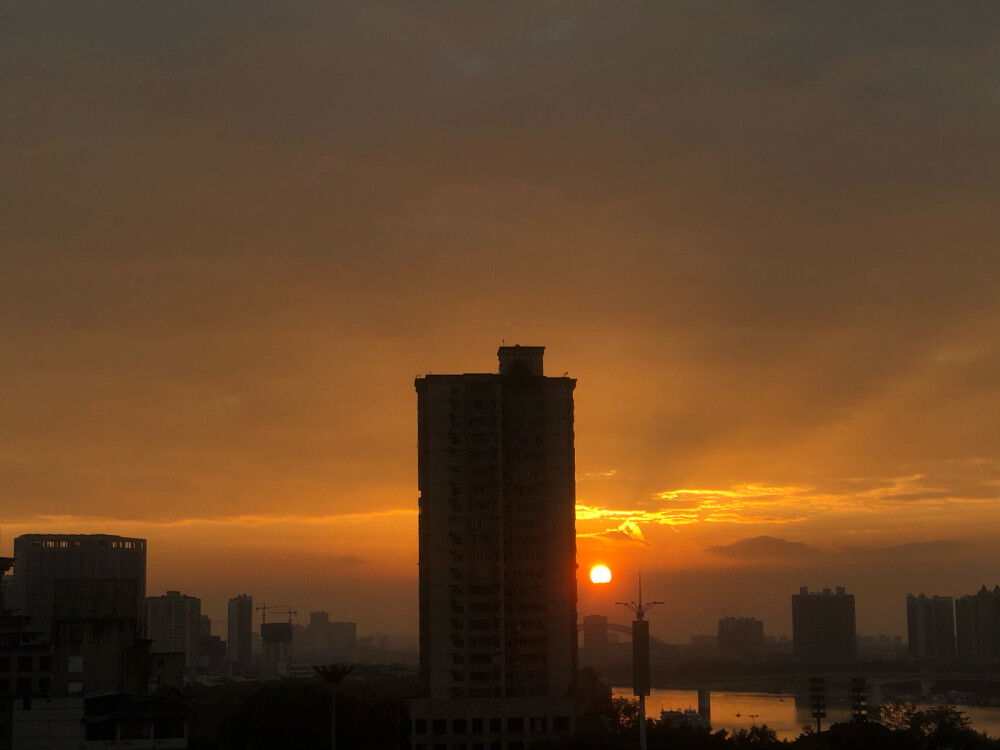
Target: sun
(600,574)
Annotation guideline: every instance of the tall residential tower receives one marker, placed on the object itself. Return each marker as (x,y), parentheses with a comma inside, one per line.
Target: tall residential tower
(239,647)
(823,625)
(497,540)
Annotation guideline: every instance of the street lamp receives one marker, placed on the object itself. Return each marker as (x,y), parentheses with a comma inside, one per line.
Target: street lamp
(640,657)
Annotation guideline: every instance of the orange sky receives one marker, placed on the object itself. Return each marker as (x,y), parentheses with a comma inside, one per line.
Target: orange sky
(763,237)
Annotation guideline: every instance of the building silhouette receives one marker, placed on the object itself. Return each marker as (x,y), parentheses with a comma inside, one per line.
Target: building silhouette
(42,559)
(823,625)
(98,637)
(173,625)
(930,626)
(977,625)
(595,638)
(498,639)
(740,637)
(276,650)
(239,646)
(322,639)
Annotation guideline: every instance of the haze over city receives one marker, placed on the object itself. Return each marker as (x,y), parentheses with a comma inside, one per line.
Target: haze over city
(761,237)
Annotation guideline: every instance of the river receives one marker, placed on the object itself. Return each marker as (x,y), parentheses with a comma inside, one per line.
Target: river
(731,710)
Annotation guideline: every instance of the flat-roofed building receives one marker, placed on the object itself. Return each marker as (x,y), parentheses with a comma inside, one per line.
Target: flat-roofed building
(498,636)
(173,625)
(930,626)
(823,625)
(42,559)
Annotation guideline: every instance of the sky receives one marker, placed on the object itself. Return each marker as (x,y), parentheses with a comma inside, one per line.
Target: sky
(763,237)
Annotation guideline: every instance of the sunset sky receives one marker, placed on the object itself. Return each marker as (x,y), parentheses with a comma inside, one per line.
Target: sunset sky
(763,237)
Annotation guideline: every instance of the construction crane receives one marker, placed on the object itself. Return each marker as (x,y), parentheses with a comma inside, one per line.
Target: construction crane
(282,609)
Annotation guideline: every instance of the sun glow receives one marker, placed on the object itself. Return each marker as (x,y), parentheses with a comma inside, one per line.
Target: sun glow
(600,574)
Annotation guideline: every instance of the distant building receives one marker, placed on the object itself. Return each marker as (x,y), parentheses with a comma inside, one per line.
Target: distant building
(239,647)
(6,584)
(930,627)
(343,638)
(977,625)
(325,640)
(42,559)
(595,638)
(823,625)
(498,637)
(740,637)
(173,625)
(277,647)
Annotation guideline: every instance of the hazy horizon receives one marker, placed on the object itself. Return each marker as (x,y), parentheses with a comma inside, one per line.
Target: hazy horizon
(762,237)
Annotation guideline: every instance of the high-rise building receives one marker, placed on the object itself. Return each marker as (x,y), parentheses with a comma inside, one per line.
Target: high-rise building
(595,638)
(930,626)
(239,647)
(823,625)
(977,625)
(173,625)
(42,559)
(740,637)
(498,640)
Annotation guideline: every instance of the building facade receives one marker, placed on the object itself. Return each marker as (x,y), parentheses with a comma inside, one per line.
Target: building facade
(239,646)
(977,625)
(42,559)
(497,537)
(741,637)
(930,627)
(173,625)
(823,625)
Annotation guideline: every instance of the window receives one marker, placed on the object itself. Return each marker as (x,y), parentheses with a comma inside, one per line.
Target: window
(515,724)
(439,725)
(420,726)
(561,723)
(477,726)
(494,725)
(458,726)
(538,724)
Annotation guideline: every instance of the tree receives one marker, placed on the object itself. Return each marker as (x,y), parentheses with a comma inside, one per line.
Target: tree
(762,736)
(899,716)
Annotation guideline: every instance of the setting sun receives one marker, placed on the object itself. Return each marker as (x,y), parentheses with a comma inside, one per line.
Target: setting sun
(600,574)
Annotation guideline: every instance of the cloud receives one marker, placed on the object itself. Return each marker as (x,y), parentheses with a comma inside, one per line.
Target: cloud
(627,531)
(247,521)
(767,548)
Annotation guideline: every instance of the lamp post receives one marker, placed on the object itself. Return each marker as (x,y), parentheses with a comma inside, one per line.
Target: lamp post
(640,657)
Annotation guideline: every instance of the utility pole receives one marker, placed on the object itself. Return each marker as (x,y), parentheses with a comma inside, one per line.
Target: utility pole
(817,701)
(640,657)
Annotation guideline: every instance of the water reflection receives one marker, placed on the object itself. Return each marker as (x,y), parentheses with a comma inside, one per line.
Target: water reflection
(780,711)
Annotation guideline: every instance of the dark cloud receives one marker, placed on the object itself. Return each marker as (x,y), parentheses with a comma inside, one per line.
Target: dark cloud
(765,548)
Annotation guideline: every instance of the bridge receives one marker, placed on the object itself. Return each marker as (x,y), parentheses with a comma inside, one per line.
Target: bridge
(627,630)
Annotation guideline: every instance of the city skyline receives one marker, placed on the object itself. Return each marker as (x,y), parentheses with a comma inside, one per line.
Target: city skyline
(762,239)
